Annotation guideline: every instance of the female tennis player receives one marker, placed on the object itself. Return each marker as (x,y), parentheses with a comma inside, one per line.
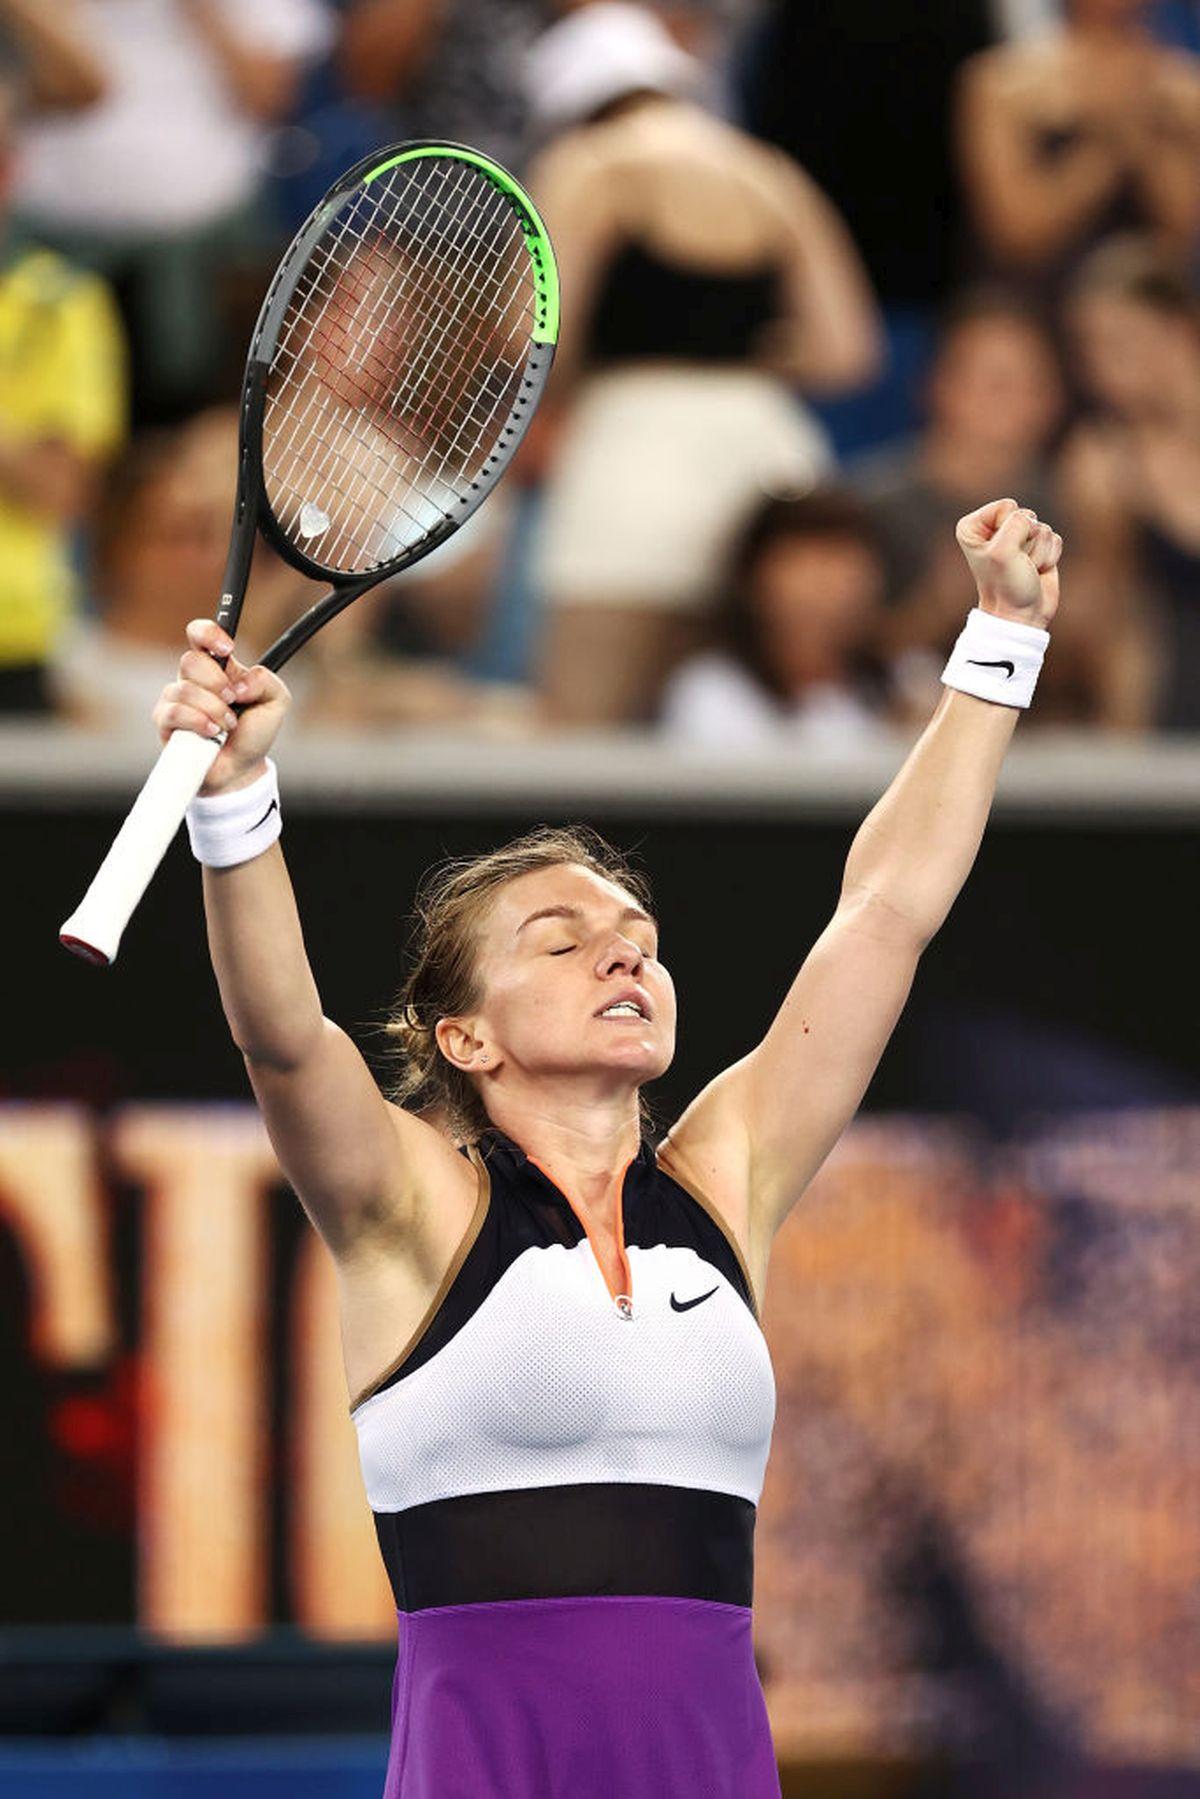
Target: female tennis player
(562,1394)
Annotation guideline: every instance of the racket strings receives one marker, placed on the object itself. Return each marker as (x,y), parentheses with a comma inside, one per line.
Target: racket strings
(358,497)
(401,355)
(321,448)
(328,266)
(468,372)
(371,366)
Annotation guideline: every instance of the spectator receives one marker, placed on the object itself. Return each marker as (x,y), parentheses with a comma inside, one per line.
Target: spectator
(158,553)
(155,185)
(994,398)
(702,273)
(452,68)
(62,412)
(1131,472)
(791,660)
(1067,138)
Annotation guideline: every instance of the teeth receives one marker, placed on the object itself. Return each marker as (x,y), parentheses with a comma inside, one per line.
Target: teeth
(623,1007)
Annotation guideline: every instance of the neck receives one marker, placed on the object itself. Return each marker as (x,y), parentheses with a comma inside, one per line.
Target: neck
(583,1142)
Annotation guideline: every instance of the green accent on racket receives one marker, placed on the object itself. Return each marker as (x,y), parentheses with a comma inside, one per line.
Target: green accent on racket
(540,248)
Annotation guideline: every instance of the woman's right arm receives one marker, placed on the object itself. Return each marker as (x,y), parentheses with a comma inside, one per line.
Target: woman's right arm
(358,1164)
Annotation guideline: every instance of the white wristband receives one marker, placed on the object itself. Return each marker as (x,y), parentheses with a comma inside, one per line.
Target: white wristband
(996,659)
(228,828)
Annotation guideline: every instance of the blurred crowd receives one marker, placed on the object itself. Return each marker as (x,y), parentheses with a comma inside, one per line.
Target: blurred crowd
(994,1372)
(831,278)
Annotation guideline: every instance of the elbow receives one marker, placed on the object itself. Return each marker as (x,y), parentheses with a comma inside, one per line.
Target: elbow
(272,1046)
(893,916)
(269,1062)
(850,365)
(268,89)
(271,1055)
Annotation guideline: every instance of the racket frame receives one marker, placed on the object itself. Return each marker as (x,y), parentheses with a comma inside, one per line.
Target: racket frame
(252,508)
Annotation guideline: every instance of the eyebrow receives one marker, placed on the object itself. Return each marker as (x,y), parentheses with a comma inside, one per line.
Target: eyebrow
(627,914)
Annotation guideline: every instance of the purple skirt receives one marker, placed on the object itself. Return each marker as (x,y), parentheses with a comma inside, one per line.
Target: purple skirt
(647,1698)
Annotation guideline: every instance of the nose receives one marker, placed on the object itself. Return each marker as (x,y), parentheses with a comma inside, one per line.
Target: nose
(620,954)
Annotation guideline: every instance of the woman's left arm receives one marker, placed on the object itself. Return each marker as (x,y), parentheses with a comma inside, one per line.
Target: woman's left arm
(761,1130)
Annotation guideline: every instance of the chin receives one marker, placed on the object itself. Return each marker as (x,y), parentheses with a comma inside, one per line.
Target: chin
(647,1060)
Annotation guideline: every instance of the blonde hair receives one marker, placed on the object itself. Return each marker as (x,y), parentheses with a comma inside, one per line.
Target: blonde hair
(443,979)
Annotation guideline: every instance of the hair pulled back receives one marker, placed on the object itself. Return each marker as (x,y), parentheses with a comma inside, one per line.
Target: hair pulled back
(443,955)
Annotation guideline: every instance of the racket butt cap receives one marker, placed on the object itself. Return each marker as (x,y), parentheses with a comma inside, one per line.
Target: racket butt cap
(87,952)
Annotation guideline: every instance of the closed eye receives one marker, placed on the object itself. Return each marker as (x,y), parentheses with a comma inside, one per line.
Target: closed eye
(564,951)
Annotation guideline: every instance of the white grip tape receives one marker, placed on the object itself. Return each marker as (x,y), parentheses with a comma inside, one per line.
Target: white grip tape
(94,928)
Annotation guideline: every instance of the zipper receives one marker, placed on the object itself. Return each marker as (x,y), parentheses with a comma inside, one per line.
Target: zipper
(623,1301)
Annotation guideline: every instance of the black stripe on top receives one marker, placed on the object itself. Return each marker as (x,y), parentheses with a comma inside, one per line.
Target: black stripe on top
(566,1542)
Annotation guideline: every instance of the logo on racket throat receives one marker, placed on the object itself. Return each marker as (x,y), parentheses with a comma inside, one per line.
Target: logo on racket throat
(312,520)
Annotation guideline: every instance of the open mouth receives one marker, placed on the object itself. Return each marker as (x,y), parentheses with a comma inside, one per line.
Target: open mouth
(624,1008)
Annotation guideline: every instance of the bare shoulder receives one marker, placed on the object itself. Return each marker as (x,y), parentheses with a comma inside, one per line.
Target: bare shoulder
(429,1199)
(708,1151)
(577,162)
(395,1271)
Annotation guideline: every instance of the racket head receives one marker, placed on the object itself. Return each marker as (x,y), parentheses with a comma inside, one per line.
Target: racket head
(397,361)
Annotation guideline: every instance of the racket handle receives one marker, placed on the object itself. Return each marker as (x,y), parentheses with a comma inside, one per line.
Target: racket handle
(94,929)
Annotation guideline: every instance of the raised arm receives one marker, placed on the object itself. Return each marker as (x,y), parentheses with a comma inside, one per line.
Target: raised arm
(831,337)
(759,1133)
(1026,207)
(357,1163)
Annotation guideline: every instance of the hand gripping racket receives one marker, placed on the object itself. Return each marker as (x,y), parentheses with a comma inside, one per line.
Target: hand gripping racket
(397,361)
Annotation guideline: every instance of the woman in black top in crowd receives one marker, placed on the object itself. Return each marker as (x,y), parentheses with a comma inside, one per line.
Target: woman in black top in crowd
(704,277)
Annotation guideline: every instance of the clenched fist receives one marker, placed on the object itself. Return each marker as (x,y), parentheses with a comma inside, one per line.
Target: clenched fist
(1014,558)
(203,698)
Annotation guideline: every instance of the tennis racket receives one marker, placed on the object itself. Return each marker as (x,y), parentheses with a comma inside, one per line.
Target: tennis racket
(401,350)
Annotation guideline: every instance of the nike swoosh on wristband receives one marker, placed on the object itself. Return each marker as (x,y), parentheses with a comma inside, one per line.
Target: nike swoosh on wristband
(273,807)
(685,1305)
(1010,666)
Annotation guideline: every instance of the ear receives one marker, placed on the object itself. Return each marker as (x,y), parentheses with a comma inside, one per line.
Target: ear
(461,1045)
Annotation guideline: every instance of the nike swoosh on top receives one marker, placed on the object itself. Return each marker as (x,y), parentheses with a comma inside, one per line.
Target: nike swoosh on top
(1010,666)
(685,1305)
(262,821)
